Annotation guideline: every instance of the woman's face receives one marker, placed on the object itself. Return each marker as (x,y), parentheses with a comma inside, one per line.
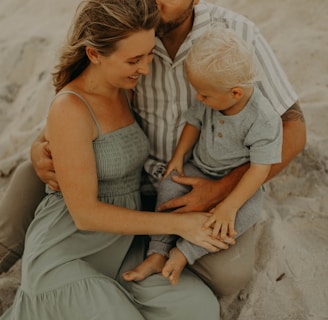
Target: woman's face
(131,59)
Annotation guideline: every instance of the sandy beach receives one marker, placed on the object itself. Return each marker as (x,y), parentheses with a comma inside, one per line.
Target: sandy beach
(290,280)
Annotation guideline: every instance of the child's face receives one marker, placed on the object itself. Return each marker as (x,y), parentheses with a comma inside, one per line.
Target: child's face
(219,99)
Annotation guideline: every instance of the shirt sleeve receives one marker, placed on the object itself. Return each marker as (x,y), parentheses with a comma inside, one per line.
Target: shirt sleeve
(195,115)
(264,139)
(273,81)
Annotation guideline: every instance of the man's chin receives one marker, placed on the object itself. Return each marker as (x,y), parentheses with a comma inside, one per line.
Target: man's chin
(165,28)
(161,32)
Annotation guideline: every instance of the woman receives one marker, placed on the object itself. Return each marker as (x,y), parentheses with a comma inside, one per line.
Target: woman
(81,239)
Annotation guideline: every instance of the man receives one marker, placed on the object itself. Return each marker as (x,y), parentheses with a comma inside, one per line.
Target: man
(160,100)
(182,24)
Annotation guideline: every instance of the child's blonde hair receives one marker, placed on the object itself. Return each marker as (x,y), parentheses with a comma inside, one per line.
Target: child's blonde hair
(223,58)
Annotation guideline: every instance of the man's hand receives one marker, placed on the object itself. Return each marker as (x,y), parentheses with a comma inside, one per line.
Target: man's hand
(42,162)
(205,193)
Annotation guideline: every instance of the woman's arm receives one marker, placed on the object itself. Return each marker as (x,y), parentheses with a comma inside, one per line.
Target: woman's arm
(74,160)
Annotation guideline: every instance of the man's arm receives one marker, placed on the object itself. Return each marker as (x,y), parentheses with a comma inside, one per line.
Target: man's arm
(205,194)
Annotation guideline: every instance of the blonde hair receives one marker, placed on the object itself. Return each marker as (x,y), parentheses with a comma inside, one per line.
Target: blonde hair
(223,58)
(100,24)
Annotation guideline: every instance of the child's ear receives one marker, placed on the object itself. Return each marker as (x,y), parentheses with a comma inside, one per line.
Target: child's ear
(237,92)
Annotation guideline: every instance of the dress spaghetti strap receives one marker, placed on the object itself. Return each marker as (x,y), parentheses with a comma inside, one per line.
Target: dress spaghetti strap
(87,105)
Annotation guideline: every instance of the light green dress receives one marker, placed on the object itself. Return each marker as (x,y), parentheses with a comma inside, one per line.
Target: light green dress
(72,274)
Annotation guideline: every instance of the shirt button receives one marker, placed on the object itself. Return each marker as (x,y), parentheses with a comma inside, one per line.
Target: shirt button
(221,121)
(220,134)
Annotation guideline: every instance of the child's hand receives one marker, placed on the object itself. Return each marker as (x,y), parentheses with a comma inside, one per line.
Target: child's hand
(222,221)
(174,165)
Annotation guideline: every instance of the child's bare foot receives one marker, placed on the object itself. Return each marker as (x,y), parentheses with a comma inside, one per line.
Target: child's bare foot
(152,264)
(174,266)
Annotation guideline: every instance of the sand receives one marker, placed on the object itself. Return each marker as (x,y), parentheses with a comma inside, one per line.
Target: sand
(290,276)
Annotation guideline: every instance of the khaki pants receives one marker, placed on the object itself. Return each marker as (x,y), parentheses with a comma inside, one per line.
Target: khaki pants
(18,205)
(228,271)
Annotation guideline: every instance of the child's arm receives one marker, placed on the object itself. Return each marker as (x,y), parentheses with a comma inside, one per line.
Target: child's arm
(188,138)
(224,213)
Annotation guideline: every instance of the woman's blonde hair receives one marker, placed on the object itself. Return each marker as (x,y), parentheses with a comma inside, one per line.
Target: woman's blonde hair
(222,57)
(100,24)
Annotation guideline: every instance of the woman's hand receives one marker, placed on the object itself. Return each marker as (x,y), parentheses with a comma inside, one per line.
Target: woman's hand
(192,230)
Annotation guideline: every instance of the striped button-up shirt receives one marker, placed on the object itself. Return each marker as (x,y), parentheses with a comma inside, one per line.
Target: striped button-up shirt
(162,97)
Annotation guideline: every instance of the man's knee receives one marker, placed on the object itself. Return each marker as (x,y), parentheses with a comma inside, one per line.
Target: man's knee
(229,271)
(232,280)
